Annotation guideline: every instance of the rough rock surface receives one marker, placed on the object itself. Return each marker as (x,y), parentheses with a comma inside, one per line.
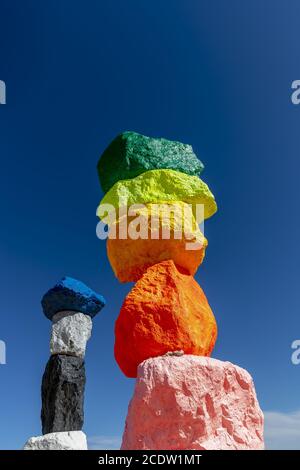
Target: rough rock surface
(166,231)
(192,402)
(160,186)
(73,440)
(70,333)
(130,154)
(71,294)
(63,394)
(165,311)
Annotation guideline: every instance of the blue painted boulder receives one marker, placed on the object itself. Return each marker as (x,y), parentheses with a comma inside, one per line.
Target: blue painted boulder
(71,294)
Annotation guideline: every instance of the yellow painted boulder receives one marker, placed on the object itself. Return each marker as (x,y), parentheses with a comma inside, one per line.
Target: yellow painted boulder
(157,186)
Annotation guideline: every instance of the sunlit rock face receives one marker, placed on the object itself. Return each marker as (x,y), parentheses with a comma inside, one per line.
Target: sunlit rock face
(191,402)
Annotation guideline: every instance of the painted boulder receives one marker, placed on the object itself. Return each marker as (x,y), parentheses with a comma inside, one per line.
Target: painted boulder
(165,311)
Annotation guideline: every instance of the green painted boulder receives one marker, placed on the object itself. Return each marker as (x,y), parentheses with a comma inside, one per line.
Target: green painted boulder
(131,154)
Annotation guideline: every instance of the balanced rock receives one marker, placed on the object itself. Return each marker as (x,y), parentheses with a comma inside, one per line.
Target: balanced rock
(165,311)
(63,394)
(73,440)
(131,154)
(156,186)
(191,403)
(70,333)
(166,232)
(71,294)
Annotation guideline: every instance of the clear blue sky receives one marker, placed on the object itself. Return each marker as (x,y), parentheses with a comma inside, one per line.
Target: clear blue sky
(215,74)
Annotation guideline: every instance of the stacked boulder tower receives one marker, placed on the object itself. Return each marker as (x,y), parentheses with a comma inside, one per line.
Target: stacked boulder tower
(165,333)
(70,305)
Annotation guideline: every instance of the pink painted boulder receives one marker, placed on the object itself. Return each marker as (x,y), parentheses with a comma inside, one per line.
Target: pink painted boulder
(192,402)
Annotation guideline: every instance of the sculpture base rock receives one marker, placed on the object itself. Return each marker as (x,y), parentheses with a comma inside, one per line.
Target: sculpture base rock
(192,402)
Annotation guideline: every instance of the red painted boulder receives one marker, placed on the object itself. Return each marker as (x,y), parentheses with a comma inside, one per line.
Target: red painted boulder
(165,311)
(192,402)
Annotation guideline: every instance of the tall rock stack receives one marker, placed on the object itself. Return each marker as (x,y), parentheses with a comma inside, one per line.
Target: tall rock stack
(154,200)
(70,305)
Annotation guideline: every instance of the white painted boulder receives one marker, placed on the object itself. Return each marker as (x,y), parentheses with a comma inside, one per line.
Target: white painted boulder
(70,333)
(72,440)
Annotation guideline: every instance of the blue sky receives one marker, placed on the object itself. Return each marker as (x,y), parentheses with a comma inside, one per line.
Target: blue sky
(215,74)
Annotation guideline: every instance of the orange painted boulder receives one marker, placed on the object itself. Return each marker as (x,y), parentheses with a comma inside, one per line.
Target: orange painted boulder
(157,232)
(165,311)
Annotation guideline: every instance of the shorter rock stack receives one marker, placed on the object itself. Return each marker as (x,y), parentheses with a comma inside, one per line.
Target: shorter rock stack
(70,305)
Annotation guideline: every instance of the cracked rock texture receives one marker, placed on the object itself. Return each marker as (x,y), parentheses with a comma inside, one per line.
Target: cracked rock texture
(156,186)
(192,402)
(130,154)
(73,440)
(63,394)
(70,333)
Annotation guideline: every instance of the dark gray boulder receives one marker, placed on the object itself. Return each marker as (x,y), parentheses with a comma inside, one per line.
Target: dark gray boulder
(63,394)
